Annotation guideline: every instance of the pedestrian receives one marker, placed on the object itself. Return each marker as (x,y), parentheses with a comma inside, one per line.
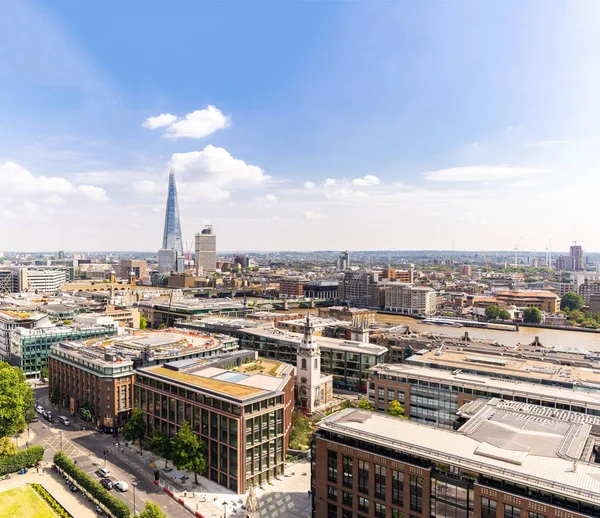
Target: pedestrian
(122,450)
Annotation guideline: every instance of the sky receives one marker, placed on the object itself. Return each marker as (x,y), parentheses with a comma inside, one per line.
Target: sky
(300,125)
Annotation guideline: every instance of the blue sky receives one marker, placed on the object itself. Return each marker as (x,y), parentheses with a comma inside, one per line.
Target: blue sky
(300,125)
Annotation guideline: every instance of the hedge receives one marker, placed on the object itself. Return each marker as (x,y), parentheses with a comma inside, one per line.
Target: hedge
(56,507)
(115,506)
(23,459)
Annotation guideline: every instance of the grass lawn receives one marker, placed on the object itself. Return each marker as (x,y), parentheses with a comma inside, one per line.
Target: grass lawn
(23,502)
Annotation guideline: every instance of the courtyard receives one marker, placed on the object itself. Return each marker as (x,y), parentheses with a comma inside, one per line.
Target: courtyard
(23,502)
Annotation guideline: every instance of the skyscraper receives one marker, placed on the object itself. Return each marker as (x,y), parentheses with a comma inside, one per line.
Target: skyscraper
(576,255)
(172,234)
(206,251)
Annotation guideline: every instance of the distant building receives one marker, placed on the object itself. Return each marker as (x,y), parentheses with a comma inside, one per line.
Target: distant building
(406,276)
(360,288)
(292,287)
(410,300)
(321,290)
(11,320)
(170,260)
(466,270)
(240,406)
(138,266)
(543,300)
(563,263)
(357,316)
(594,302)
(577,260)
(344,260)
(172,232)
(206,251)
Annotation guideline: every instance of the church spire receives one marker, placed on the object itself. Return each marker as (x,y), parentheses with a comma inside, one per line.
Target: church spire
(308,340)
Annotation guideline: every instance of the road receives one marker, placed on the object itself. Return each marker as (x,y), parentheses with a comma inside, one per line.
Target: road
(87,447)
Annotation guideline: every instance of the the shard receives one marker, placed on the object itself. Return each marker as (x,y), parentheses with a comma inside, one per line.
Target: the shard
(172,233)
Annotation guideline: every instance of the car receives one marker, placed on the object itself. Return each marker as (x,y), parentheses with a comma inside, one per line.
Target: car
(103,472)
(107,483)
(64,420)
(121,486)
(48,416)
(39,409)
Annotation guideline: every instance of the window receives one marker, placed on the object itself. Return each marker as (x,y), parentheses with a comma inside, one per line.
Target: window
(304,364)
(316,363)
(363,504)
(380,481)
(348,499)
(332,511)
(332,469)
(347,471)
(363,476)
(346,513)
(416,493)
(379,510)
(397,514)
(510,511)
(397,487)
(536,515)
(332,493)
(488,508)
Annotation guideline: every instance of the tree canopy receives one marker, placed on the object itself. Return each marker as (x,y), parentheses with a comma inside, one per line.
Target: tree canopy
(571,301)
(143,322)
(365,404)
(135,429)
(301,432)
(532,316)
(188,451)
(15,398)
(152,510)
(492,312)
(396,409)
(163,445)
(503,315)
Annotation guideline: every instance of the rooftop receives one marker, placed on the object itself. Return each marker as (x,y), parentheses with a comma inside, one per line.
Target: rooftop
(525,451)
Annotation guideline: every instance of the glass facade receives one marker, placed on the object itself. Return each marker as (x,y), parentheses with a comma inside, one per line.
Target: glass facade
(172,232)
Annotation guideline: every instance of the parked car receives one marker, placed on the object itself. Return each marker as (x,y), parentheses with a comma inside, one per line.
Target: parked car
(107,483)
(103,472)
(48,416)
(64,420)
(122,486)
(39,409)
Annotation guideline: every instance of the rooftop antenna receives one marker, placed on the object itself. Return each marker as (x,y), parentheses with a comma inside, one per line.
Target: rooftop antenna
(517,252)
(549,255)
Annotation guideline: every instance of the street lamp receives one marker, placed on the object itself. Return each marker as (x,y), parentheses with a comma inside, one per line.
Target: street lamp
(224,509)
(133,484)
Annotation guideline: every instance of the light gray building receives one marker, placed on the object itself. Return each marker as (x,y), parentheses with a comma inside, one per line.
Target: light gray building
(206,251)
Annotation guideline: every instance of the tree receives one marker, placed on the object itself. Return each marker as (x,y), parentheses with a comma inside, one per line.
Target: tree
(532,316)
(55,396)
(15,398)
(7,447)
(365,404)
(152,510)
(85,412)
(301,432)
(571,300)
(162,326)
(143,322)
(44,374)
(396,409)
(503,315)
(135,429)
(162,445)
(189,451)
(492,312)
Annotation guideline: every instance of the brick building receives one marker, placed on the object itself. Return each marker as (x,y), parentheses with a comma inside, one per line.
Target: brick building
(292,287)
(239,406)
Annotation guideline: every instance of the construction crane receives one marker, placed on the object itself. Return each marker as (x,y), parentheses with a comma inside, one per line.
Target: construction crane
(517,252)
(549,255)
(487,265)
(188,255)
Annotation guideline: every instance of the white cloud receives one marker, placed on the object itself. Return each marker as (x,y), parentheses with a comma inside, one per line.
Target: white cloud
(311,214)
(524,183)
(198,124)
(366,181)
(271,198)
(548,143)
(55,199)
(212,173)
(329,182)
(93,193)
(481,173)
(164,119)
(309,185)
(15,178)
(148,187)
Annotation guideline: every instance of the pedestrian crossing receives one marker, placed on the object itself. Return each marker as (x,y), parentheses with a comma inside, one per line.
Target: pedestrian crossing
(61,443)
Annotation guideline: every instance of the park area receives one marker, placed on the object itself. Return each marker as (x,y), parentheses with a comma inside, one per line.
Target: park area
(23,502)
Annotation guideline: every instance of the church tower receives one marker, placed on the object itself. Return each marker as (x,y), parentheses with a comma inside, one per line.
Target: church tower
(308,370)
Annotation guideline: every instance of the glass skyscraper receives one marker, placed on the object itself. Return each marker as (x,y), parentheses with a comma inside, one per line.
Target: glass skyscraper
(172,233)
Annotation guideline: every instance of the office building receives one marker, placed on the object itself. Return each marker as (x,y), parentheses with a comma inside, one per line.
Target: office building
(172,232)
(347,361)
(433,396)
(410,300)
(507,461)
(344,261)
(327,290)
(166,311)
(406,276)
(543,300)
(138,266)
(361,289)
(95,378)
(357,316)
(576,257)
(466,270)
(206,251)
(170,261)
(29,348)
(11,319)
(292,288)
(241,407)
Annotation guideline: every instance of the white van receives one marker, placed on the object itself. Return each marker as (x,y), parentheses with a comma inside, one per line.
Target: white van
(64,420)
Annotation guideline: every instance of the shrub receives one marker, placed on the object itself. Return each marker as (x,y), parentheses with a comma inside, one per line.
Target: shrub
(116,507)
(23,459)
(58,509)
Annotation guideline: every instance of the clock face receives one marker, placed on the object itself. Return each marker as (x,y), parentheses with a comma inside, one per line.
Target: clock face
(303,392)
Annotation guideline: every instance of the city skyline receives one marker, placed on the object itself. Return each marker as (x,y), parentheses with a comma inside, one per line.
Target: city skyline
(412,126)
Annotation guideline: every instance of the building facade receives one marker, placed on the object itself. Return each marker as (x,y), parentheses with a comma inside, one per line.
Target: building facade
(239,406)
(406,276)
(321,290)
(543,300)
(577,259)
(92,378)
(172,231)
(206,251)
(410,300)
(367,464)
(291,288)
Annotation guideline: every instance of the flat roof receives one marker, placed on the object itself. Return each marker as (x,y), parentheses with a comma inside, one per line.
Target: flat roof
(533,390)
(545,470)
(502,366)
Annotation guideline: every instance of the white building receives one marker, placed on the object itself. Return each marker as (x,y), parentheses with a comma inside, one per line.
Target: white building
(206,251)
(45,280)
(410,300)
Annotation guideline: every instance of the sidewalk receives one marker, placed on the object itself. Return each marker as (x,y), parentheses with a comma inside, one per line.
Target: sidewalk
(75,503)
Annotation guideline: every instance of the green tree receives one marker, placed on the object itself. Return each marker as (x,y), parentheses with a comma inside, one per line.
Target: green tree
(365,404)
(44,374)
(396,409)
(143,322)
(301,432)
(15,398)
(576,316)
(162,326)
(55,396)
(189,452)
(571,300)
(532,316)
(492,312)
(7,447)
(162,445)
(152,510)
(85,412)
(503,315)
(135,429)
